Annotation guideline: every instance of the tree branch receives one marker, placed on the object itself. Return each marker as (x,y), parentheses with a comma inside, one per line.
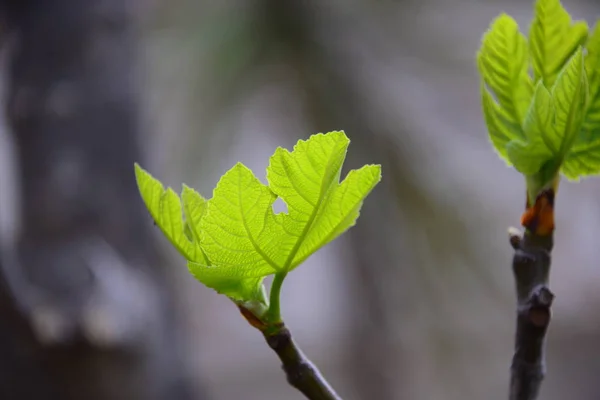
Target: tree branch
(531,268)
(300,371)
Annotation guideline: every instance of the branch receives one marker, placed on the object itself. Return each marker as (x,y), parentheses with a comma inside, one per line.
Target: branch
(531,268)
(300,371)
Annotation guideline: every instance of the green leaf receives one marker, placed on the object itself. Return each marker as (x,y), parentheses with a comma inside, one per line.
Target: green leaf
(240,233)
(194,206)
(239,236)
(227,281)
(502,64)
(165,208)
(529,156)
(234,240)
(244,238)
(551,127)
(583,160)
(570,98)
(553,38)
(584,157)
(591,124)
(500,130)
(319,207)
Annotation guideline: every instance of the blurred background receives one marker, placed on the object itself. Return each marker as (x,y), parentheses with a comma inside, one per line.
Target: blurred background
(415,302)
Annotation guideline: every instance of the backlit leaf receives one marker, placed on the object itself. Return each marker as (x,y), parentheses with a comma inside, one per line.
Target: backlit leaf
(165,208)
(553,38)
(506,87)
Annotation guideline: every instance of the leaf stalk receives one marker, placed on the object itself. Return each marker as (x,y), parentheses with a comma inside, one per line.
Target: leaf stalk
(273,315)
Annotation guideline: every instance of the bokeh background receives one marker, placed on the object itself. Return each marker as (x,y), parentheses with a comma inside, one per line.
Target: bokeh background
(415,302)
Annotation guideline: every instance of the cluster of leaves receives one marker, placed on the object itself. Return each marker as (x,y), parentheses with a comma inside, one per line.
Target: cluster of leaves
(541,95)
(234,240)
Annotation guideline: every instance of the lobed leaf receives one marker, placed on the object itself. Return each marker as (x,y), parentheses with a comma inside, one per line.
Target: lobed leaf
(239,232)
(234,240)
(319,207)
(244,238)
(224,282)
(165,208)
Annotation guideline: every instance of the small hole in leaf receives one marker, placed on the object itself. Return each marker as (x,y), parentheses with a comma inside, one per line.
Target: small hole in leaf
(279,206)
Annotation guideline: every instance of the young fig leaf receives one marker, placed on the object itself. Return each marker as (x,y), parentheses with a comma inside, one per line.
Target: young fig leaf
(584,157)
(194,206)
(320,208)
(243,237)
(500,130)
(502,63)
(234,240)
(570,97)
(591,123)
(229,282)
(529,156)
(165,208)
(240,233)
(553,38)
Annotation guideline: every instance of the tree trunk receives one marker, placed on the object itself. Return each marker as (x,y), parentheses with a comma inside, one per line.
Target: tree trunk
(86,309)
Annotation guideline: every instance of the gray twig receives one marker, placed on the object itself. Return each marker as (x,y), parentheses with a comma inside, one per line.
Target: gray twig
(531,267)
(301,373)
